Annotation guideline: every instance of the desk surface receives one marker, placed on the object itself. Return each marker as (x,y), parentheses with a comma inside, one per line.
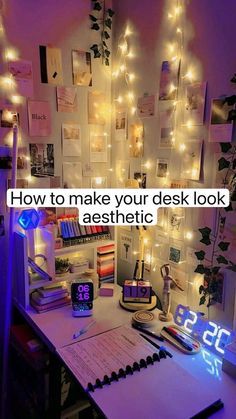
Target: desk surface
(57,327)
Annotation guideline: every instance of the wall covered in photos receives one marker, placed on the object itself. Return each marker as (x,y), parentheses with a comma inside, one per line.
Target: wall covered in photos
(64,128)
(171,69)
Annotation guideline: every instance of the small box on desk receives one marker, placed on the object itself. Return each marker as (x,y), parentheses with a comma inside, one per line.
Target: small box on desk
(137,291)
(106,290)
(229,360)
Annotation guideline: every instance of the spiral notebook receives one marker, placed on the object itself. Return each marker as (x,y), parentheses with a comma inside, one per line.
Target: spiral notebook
(126,378)
(103,359)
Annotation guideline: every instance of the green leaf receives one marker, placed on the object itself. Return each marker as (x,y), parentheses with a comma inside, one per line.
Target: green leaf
(108,23)
(221,259)
(207,271)
(200,269)
(205,240)
(223,164)
(107,61)
(232,115)
(97,54)
(106,35)
(202,300)
(201,289)
(223,246)
(97,6)
(215,269)
(95,27)
(104,43)
(94,47)
(225,147)
(230,100)
(206,231)
(200,255)
(107,53)
(93,18)
(110,12)
(229,208)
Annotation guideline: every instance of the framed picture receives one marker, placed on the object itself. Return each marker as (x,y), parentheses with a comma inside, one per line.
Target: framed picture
(67,99)
(136,140)
(141,178)
(146,106)
(195,94)
(98,147)
(120,124)
(42,160)
(71,140)
(39,116)
(192,160)
(50,65)
(169,80)
(162,166)
(167,128)
(176,221)
(175,253)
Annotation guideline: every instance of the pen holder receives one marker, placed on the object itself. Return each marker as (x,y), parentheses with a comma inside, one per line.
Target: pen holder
(181,335)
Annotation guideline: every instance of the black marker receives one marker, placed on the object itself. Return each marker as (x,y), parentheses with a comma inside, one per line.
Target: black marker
(147,332)
(156,346)
(178,339)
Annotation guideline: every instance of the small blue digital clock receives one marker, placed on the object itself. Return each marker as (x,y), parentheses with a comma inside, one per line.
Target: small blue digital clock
(209,333)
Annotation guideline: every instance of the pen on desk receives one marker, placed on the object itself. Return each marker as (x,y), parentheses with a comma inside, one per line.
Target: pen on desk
(186,339)
(83,330)
(178,339)
(147,332)
(156,346)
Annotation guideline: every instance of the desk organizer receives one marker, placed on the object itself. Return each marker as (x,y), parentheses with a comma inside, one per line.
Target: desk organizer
(188,340)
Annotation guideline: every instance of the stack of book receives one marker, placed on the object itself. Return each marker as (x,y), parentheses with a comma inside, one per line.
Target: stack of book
(106,263)
(72,232)
(45,299)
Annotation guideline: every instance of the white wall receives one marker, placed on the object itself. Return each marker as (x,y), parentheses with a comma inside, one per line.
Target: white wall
(209,49)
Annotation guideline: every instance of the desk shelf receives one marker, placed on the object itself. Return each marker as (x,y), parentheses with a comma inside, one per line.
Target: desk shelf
(84,246)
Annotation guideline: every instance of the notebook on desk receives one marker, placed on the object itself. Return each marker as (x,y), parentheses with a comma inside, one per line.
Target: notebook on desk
(127,380)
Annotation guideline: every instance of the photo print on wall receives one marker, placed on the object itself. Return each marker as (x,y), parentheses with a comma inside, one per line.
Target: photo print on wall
(42,160)
(50,65)
(81,68)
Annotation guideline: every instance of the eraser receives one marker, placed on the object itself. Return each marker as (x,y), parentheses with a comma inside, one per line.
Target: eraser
(106,290)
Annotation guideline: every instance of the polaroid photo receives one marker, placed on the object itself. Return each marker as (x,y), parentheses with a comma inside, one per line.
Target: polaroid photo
(221,128)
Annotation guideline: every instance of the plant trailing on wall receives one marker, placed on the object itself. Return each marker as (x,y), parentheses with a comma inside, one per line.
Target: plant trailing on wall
(210,263)
(101,20)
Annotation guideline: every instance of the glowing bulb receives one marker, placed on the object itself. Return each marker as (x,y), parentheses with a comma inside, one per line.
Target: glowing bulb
(172,88)
(189,235)
(133,110)
(147,165)
(174,58)
(123,47)
(182,147)
(28,178)
(122,68)
(189,75)
(178,10)
(130,54)
(98,180)
(110,170)
(131,76)
(27,158)
(145,241)
(7,82)
(119,99)
(171,48)
(11,54)
(115,74)
(128,31)
(109,146)
(178,30)
(16,99)
(130,96)
(189,124)
(170,16)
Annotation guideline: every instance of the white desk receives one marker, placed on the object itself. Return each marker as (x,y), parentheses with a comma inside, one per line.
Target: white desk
(57,327)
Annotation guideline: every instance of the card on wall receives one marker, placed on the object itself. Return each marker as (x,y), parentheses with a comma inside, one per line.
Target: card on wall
(42,160)
(192,160)
(162,218)
(136,136)
(147,256)
(39,116)
(169,80)
(176,222)
(22,73)
(126,247)
(141,178)
(122,172)
(20,183)
(167,128)
(146,106)
(67,99)
(99,182)
(72,175)
(7,118)
(98,147)
(71,140)
(220,129)
(81,68)
(97,108)
(181,279)
(87,170)
(176,252)
(121,124)
(50,65)
(162,168)
(194,97)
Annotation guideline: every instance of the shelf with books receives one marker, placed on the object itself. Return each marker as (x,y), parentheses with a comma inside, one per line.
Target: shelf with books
(83,246)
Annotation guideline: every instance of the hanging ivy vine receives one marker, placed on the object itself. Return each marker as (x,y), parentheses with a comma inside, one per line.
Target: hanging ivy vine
(101,21)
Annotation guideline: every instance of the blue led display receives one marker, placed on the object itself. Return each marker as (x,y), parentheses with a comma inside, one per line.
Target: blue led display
(28,219)
(213,336)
